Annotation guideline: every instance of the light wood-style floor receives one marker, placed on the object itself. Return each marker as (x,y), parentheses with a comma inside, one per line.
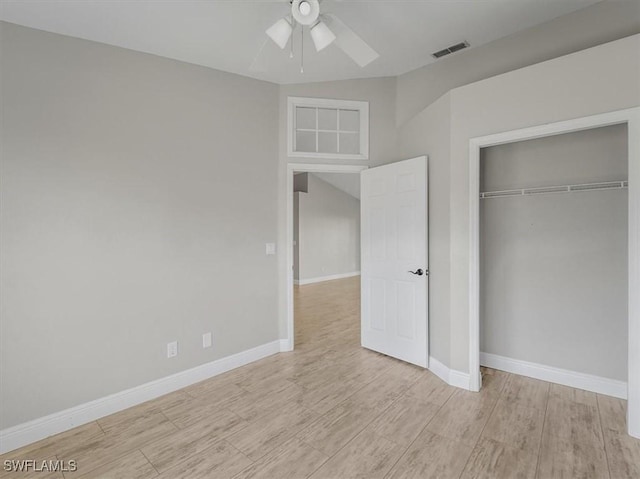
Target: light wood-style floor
(334,410)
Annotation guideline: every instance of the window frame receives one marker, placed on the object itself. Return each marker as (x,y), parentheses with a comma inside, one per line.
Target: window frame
(361,106)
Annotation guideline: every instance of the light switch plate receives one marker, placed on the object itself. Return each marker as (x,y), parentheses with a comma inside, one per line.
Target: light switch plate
(270,248)
(207,340)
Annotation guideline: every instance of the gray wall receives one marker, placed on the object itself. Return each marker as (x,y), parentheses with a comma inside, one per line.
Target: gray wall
(428,134)
(414,114)
(554,267)
(600,23)
(133,204)
(300,182)
(118,229)
(597,80)
(329,231)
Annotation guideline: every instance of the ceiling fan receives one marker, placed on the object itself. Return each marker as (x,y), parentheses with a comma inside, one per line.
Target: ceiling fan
(324,29)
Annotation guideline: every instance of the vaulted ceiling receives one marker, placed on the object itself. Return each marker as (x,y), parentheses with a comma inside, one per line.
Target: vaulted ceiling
(347,182)
(230,34)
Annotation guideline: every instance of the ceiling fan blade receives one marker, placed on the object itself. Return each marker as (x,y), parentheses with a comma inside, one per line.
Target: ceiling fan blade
(350,42)
(259,63)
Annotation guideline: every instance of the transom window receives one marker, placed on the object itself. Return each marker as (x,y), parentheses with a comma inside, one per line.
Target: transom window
(322,128)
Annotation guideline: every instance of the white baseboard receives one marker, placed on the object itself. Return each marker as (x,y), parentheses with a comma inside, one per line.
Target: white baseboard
(37,429)
(459,379)
(439,369)
(588,382)
(319,279)
(449,376)
(286,345)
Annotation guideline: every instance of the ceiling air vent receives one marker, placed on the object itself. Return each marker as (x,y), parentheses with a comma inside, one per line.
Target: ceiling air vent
(450,50)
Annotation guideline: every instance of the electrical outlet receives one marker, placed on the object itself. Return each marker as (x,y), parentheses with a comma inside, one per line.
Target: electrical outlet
(207,340)
(172,349)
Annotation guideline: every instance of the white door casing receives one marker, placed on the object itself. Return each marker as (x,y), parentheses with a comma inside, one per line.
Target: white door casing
(393,209)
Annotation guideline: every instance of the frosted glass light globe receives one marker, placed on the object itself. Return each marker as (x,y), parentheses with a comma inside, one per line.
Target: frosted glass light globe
(305,8)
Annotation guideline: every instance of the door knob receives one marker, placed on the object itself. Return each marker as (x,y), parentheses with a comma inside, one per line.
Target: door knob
(419,272)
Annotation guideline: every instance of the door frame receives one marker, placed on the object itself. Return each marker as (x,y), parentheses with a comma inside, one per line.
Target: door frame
(293,168)
(630,117)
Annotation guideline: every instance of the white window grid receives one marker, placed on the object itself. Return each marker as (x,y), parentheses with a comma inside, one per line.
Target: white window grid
(338,105)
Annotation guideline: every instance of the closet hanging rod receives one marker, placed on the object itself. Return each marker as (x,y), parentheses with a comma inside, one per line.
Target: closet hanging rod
(611,185)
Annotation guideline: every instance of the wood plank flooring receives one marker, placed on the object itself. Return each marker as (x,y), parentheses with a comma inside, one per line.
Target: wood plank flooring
(334,410)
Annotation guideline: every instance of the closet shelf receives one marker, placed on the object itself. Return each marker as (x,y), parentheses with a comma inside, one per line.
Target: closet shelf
(611,185)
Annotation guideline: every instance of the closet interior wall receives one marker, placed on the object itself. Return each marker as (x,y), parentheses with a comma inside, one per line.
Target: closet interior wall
(553,267)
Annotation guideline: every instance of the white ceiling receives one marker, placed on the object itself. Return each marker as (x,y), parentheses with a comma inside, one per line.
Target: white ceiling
(227,34)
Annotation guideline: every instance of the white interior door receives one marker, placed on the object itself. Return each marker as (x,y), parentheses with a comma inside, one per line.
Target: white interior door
(394,248)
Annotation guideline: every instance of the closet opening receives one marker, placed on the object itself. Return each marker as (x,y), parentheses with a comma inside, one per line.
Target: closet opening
(553,258)
(559,265)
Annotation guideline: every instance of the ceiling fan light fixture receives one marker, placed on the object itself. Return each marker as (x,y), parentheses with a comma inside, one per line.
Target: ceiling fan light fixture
(321,35)
(304,8)
(280,32)
(305,12)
